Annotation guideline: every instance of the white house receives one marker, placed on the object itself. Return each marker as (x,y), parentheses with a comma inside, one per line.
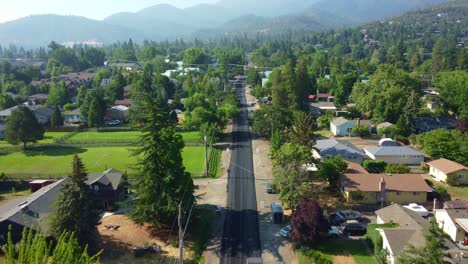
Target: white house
(454,222)
(331,147)
(341,126)
(441,168)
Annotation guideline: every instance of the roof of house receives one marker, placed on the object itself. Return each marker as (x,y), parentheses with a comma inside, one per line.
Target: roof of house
(456,204)
(384,124)
(446,166)
(110,176)
(333,147)
(46,111)
(39,96)
(123,102)
(393,151)
(324,105)
(457,213)
(395,182)
(120,108)
(355,168)
(327,95)
(398,239)
(8,111)
(32,211)
(341,120)
(73,112)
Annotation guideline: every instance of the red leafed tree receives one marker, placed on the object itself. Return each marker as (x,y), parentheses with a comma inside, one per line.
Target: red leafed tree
(307,223)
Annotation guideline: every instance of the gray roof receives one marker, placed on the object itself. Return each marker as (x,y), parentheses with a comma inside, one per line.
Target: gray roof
(393,151)
(457,213)
(341,120)
(8,111)
(333,147)
(32,210)
(74,112)
(385,124)
(110,176)
(3,126)
(398,239)
(46,111)
(326,105)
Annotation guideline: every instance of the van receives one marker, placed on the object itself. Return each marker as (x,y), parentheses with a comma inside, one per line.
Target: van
(276,213)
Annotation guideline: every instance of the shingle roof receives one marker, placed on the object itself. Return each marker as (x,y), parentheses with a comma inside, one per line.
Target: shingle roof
(395,182)
(324,105)
(46,111)
(110,176)
(8,111)
(385,124)
(339,121)
(446,166)
(393,151)
(333,147)
(398,239)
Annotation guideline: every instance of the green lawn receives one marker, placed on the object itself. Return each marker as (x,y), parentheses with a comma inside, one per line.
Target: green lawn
(56,161)
(130,136)
(331,248)
(48,139)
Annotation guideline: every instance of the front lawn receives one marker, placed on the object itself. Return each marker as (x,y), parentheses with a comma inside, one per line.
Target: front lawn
(56,162)
(331,249)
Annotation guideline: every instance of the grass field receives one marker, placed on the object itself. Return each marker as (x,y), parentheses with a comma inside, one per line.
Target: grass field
(128,136)
(48,139)
(332,248)
(56,161)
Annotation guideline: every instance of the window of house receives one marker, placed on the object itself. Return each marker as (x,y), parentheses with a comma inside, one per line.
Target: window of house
(349,130)
(461,176)
(96,188)
(404,157)
(415,193)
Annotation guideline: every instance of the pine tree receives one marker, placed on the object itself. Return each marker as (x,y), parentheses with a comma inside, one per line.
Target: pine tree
(161,182)
(95,113)
(75,211)
(304,85)
(56,119)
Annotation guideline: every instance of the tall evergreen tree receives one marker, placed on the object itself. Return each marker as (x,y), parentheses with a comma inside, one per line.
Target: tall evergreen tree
(74,207)
(304,85)
(22,127)
(161,183)
(56,120)
(95,113)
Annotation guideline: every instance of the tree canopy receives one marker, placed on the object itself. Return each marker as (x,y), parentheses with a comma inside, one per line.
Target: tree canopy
(22,127)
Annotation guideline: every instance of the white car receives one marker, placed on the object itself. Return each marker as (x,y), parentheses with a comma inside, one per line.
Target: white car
(286,231)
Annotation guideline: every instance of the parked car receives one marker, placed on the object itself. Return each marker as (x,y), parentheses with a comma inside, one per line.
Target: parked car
(114,122)
(286,231)
(350,214)
(269,188)
(334,232)
(336,219)
(353,228)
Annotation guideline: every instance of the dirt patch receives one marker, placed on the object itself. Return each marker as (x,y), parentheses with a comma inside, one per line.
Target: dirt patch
(343,260)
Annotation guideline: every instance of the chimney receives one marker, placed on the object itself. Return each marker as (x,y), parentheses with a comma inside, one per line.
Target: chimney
(382,185)
(382,192)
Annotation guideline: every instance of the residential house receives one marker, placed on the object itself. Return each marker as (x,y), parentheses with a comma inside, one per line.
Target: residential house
(30,212)
(43,114)
(366,188)
(332,147)
(106,81)
(74,117)
(431,105)
(2,130)
(387,142)
(442,168)
(395,154)
(454,222)
(456,204)
(124,102)
(118,112)
(130,66)
(427,123)
(37,99)
(341,126)
(384,125)
(109,187)
(325,97)
(4,114)
(322,108)
(410,231)
(38,184)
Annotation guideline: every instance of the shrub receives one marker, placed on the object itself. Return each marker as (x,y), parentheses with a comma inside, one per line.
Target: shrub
(442,193)
(361,130)
(452,180)
(397,168)
(375,166)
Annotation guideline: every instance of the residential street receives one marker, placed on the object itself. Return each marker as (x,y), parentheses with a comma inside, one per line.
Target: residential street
(241,238)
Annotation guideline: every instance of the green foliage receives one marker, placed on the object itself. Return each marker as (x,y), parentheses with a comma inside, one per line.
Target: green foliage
(302,131)
(6,101)
(452,179)
(161,183)
(114,91)
(22,126)
(375,166)
(442,193)
(397,168)
(270,117)
(253,77)
(324,121)
(330,170)
(95,113)
(58,94)
(34,247)
(361,130)
(453,89)
(195,56)
(375,236)
(441,143)
(74,207)
(56,119)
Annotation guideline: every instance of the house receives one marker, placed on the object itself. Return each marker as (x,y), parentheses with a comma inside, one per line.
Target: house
(442,168)
(427,123)
(322,108)
(106,81)
(431,105)
(332,147)
(132,66)
(456,204)
(38,184)
(43,114)
(73,117)
(383,125)
(265,81)
(37,99)
(118,112)
(365,188)
(30,212)
(341,126)
(4,114)
(410,231)
(325,97)
(395,154)
(387,142)
(109,187)
(124,102)
(454,222)
(2,130)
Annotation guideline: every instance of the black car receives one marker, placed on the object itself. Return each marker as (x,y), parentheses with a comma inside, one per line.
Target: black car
(350,214)
(353,228)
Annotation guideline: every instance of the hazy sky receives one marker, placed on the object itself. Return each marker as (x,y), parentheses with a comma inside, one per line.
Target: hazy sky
(95,9)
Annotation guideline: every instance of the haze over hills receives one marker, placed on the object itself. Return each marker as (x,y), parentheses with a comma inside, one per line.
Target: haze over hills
(227,16)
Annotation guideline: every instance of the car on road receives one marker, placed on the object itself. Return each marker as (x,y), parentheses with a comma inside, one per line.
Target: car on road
(353,228)
(286,231)
(350,214)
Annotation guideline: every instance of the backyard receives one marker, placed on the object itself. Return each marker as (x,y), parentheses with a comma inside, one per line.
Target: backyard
(339,251)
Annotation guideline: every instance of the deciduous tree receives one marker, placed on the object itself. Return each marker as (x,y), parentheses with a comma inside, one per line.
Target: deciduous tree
(22,126)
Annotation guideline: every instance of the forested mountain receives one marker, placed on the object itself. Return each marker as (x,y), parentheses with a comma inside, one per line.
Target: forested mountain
(205,20)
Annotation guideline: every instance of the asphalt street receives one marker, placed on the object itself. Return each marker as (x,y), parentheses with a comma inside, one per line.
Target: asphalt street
(241,237)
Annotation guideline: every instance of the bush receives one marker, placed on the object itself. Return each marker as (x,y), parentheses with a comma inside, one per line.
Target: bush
(361,130)
(452,180)
(442,193)
(375,166)
(397,168)
(324,121)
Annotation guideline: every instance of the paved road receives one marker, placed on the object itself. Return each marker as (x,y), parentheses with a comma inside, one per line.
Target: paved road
(241,237)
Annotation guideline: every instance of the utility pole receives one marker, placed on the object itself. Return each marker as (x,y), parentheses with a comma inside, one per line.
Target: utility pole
(181,236)
(206,153)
